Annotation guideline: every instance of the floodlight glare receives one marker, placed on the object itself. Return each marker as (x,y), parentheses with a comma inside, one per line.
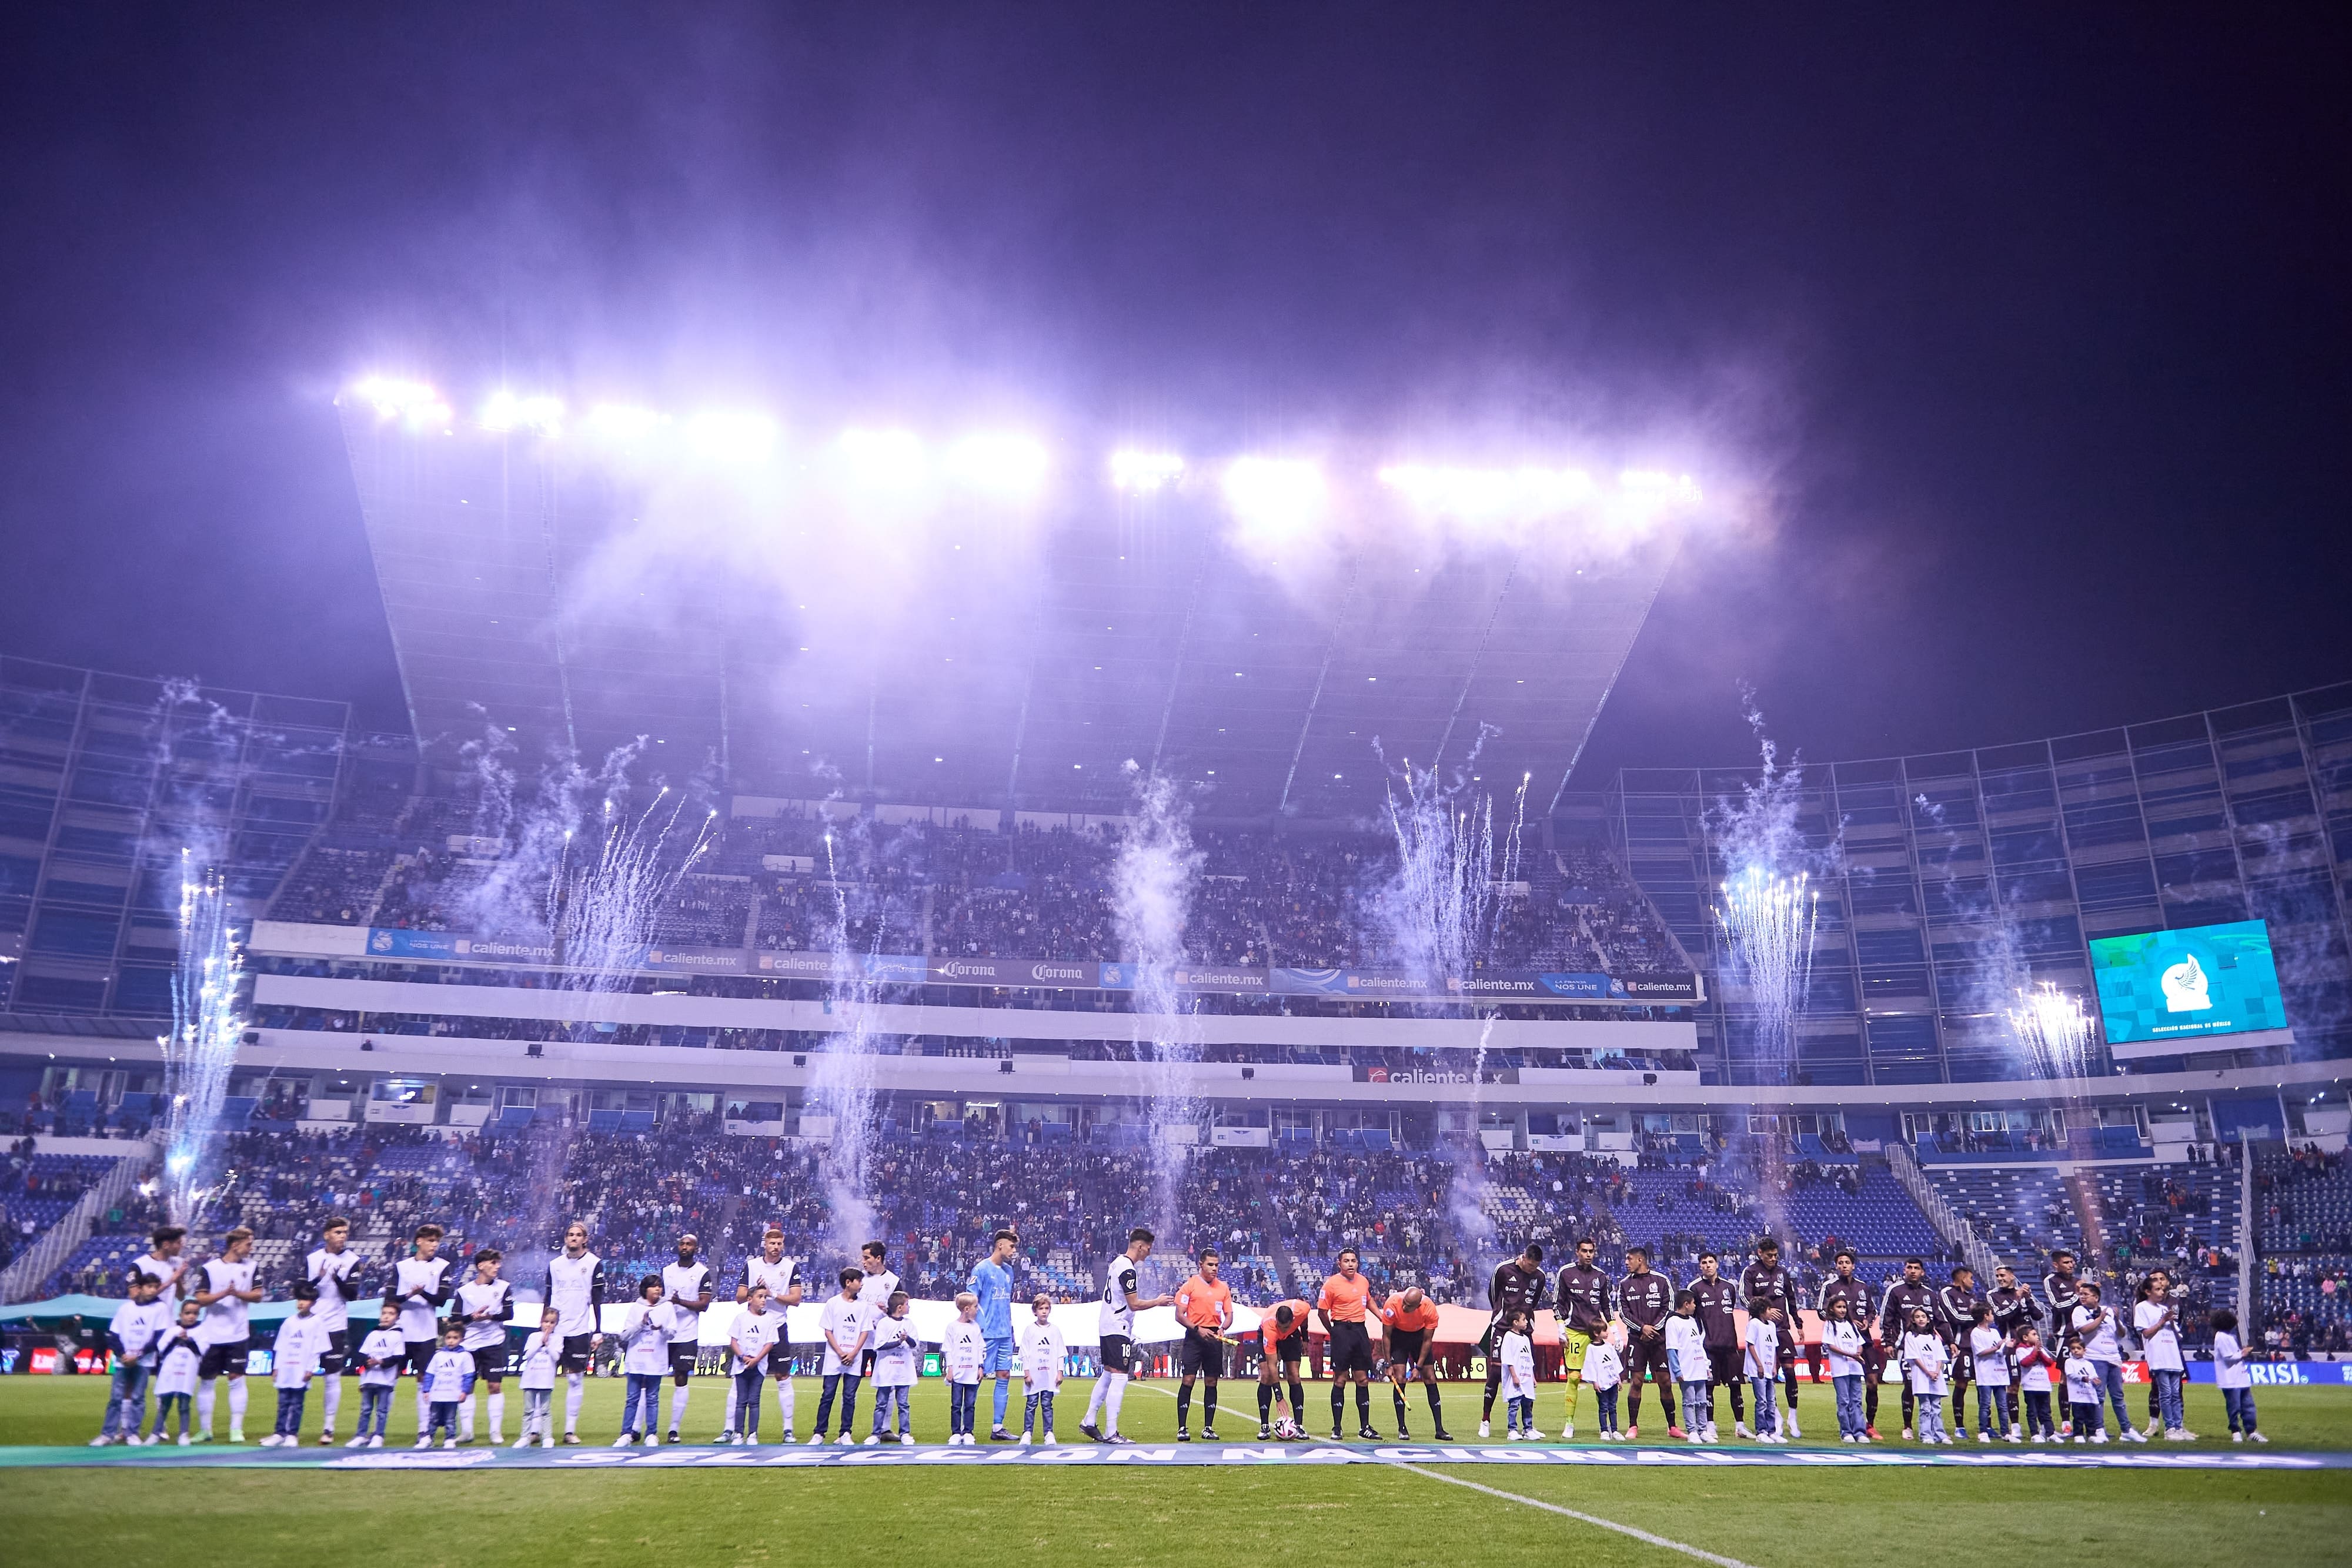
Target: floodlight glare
(1656,484)
(1003,464)
(506,411)
(886,459)
(1274,494)
(1525,491)
(414,402)
(729,436)
(1143,473)
(623,422)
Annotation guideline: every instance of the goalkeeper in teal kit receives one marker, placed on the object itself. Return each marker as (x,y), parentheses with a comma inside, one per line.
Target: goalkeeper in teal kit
(992,1283)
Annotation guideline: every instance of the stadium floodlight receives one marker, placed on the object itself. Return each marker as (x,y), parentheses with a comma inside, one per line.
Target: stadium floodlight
(623,422)
(1529,490)
(1144,473)
(1275,494)
(732,436)
(1001,463)
(506,411)
(414,404)
(883,459)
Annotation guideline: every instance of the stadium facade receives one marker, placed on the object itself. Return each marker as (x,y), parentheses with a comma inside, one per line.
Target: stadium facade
(2235,814)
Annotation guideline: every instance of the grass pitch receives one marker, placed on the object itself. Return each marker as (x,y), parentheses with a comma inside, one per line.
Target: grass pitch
(1776,1518)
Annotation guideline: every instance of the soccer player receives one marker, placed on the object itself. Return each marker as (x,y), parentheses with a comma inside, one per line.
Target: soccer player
(2058,1287)
(962,1353)
(1714,1302)
(847,1325)
(575,1288)
(2093,1324)
(1120,1303)
(1955,1314)
(2014,1311)
(295,1354)
(1644,1300)
(1281,1342)
(380,1358)
(1909,1294)
(540,1352)
(162,1262)
(1583,1300)
(2157,1321)
(422,1284)
(751,1341)
(224,1290)
(1204,1308)
(331,1266)
(782,1276)
(1516,1286)
(176,1360)
(1841,1286)
(991,1289)
(484,1306)
(880,1285)
(139,1327)
(1042,1358)
(687,1286)
(1764,1283)
(1411,1321)
(1345,1298)
(443,1387)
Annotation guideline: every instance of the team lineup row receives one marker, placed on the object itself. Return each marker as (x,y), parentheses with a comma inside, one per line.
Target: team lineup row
(452,1335)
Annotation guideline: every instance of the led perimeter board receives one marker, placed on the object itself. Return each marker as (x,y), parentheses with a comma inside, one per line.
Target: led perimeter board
(2184,984)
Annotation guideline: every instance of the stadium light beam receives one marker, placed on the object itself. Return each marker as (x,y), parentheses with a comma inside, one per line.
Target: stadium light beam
(413,403)
(623,422)
(1275,495)
(883,459)
(731,435)
(1529,490)
(506,411)
(1001,464)
(1143,473)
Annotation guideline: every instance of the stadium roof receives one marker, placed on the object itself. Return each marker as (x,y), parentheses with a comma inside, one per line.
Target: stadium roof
(533,590)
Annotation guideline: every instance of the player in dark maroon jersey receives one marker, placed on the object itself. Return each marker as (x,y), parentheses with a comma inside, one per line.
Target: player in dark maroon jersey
(1717,1299)
(1643,1300)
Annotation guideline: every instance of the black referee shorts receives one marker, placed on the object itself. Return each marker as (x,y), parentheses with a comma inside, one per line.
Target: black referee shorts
(1202,1355)
(1351,1349)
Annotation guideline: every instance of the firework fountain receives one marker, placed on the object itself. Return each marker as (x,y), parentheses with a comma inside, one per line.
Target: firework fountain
(1151,900)
(1437,915)
(2054,1031)
(603,895)
(1768,912)
(205,1029)
(843,1078)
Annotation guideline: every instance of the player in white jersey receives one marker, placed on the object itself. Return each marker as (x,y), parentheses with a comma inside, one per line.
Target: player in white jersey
(1119,1304)
(422,1284)
(162,1262)
(485,1305)
(224,1290)
(331,1266)
(687,1286)
(782,1276)
(880,1285)
(575,1289)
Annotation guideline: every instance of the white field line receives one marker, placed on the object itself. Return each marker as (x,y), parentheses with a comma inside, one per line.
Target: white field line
(1641,1536)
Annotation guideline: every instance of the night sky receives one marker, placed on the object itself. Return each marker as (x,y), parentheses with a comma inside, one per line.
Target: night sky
(2024,336)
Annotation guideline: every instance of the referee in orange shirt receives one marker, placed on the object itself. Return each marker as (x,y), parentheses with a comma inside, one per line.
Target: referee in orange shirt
(1204,1305)
(1346,1298)
(1282,1335)
(1411,1319)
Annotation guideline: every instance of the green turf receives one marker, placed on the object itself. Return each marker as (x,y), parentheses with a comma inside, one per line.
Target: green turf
(1772,1518)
